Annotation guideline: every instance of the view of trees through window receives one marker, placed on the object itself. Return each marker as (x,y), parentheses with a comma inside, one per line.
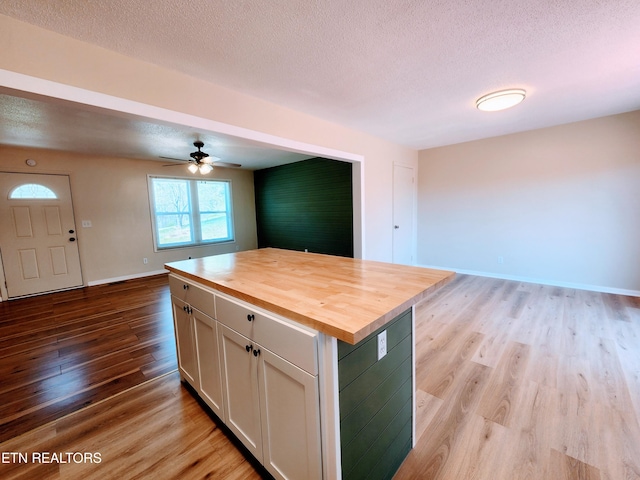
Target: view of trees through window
(191,212)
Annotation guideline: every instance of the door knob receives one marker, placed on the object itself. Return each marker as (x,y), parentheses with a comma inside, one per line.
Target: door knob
(72,231)
(72,239)
(396,226)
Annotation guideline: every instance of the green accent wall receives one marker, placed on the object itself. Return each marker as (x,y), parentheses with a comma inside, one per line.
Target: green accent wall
(306,205)
(375,400)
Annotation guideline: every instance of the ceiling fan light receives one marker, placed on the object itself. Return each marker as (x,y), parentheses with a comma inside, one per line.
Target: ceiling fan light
(500,100)
(193,168)
(205,168)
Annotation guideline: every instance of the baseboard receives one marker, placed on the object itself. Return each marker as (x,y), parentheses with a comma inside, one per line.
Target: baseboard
(126,277)
(541,281)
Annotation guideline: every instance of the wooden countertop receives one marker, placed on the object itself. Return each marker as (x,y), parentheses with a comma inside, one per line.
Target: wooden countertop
(343,297)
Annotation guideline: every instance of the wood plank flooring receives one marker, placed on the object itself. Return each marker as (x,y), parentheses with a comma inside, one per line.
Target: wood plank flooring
(156,430)
(63,351)
(515,381)
(524,381)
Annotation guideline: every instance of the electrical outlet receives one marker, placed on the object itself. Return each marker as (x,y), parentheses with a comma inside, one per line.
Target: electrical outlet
(382,344)
(500,259)
(145,260)
(86,223)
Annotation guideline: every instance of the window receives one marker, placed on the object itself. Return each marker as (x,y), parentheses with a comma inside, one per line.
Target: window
(189,212)
(32,191)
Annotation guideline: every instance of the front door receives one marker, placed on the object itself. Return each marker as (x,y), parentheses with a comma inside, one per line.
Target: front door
(37,234)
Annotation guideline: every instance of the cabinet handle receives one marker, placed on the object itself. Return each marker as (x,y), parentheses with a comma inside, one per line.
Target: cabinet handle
(249,348)
(256,352)
(186,309)
(251,317)
(185,287)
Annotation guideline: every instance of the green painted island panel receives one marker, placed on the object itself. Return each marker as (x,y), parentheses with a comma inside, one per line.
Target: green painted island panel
(376,402)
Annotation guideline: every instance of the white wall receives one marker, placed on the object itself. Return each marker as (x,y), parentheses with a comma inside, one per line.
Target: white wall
(35,52)
(561,205)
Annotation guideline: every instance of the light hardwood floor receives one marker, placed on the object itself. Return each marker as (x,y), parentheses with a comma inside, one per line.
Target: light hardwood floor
(515,381)
(524,381)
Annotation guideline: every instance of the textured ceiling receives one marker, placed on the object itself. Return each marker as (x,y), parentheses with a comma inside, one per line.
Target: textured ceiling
(61,125)
(408,71)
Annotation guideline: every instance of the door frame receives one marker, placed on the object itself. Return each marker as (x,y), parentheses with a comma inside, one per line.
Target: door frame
(4,295)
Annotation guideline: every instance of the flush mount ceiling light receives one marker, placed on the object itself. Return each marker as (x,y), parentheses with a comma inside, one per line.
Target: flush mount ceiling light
(500,100)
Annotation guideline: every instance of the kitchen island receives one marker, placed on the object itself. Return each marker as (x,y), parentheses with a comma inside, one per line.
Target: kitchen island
(307,358)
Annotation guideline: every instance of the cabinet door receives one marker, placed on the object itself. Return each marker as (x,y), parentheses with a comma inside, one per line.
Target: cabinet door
(208,361)
(240,387)
(185,342)
(289,412)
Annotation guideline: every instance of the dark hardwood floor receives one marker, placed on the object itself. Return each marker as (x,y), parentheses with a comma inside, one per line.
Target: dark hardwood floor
(514,381)
(63,351)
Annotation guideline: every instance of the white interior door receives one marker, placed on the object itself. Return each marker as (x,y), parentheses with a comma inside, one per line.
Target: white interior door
(403,215)
(37,234)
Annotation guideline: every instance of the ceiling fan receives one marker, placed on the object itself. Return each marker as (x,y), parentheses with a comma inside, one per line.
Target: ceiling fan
(200,161)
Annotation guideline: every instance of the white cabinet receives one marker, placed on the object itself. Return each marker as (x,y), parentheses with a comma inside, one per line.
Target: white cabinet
(240,386)
(290,417)
(185,341)
(258,372)
(197,341)
(194,295)
(270,380)
(210,381)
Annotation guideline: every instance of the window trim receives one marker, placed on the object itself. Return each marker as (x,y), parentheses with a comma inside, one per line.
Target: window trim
(193,213)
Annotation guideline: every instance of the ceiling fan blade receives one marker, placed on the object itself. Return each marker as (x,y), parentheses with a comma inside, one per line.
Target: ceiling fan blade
(174,165)
(209,159)
(227,164)
(176,159)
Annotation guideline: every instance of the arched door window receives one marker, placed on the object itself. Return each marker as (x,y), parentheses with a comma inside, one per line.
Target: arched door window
(32,191)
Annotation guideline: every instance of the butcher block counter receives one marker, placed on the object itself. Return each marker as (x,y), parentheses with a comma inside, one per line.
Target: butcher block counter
(345,298)
(307,358)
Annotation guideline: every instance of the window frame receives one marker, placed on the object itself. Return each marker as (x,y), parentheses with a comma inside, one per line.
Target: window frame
(193,213)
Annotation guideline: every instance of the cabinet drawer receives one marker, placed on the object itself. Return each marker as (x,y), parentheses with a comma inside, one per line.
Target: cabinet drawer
(287,339)
(236,316)
(192,294)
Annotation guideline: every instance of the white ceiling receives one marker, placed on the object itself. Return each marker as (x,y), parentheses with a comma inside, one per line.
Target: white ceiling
(407,71)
